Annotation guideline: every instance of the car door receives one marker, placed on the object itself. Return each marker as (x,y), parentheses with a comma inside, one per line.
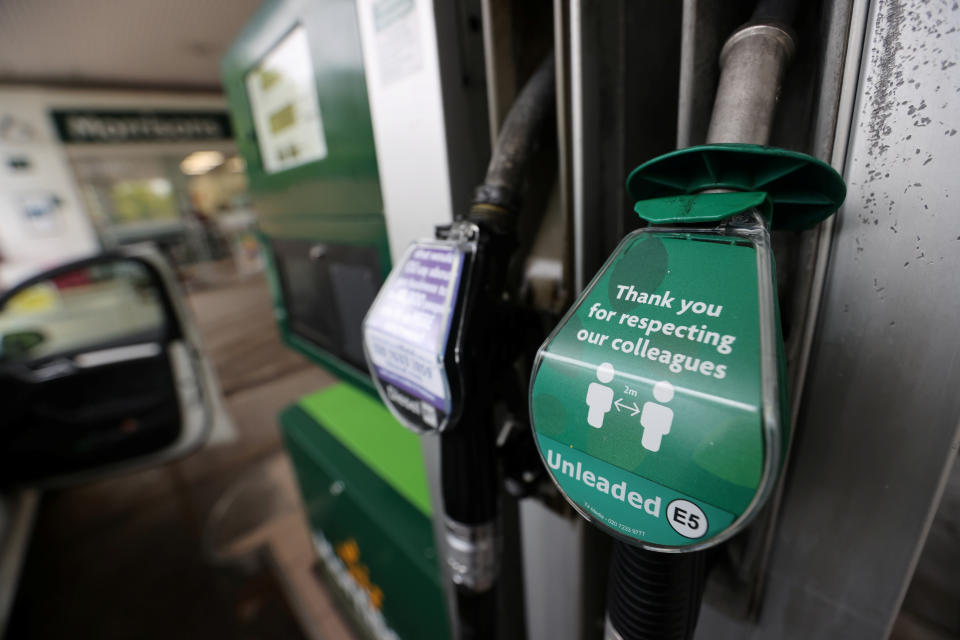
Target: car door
(100,372)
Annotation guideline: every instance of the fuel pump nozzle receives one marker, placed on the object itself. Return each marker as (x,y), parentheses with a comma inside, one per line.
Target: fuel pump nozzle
(657,402)
(469,469)
(434,339)
(651,594)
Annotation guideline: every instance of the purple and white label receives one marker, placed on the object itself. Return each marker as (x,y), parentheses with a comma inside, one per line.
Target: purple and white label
(406,332)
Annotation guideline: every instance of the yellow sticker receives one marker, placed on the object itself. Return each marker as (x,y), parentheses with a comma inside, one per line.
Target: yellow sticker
(40,297)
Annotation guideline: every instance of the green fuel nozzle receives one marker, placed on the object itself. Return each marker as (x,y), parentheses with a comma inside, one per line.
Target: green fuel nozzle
(659,402)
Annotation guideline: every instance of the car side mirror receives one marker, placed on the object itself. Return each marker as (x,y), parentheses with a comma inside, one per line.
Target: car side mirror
(91,306)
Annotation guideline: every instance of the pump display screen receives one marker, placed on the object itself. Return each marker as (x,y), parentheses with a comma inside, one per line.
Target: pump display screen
(647,402)
(327,293)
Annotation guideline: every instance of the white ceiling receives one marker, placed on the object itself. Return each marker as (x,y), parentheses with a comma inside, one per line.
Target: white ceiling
(134,43)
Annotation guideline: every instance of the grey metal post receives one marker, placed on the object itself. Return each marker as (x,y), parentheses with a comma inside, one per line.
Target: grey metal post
(753,62)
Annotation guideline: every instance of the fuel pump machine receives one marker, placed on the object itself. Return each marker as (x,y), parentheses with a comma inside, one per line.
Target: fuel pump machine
(307,108)
(687,408)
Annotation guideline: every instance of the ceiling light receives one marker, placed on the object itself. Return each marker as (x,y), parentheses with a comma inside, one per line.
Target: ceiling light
(200,162)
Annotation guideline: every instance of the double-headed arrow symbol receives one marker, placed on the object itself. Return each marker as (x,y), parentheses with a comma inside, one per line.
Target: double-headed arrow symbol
(635,409)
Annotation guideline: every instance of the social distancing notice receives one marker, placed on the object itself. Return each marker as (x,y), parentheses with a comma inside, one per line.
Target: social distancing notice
(647,400)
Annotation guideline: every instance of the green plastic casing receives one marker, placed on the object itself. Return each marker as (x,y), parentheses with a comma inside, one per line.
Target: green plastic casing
(361,474)
(658,404)
(675,187)
(334,201)
(366,498)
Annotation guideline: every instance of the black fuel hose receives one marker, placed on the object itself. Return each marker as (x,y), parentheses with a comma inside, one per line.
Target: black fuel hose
(470,480)
(654,596)
(529,120)
(476,614)
(469,472)
(470,486)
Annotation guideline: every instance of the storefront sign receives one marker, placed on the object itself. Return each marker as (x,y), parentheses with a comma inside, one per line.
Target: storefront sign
(92,126)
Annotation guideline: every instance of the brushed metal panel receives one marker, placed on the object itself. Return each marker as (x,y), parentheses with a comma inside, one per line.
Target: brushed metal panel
(878,428)
(553,578)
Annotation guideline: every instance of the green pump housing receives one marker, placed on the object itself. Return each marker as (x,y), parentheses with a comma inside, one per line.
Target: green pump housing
(658,403)
(297,93)
(321,220)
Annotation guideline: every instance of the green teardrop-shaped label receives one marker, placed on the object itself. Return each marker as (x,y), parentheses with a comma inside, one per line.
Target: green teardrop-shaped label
(647,401)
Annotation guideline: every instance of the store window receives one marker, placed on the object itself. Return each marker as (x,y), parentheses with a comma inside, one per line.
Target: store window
(193,205)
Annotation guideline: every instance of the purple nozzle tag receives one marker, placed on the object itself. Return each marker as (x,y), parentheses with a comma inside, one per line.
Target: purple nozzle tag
(406,331)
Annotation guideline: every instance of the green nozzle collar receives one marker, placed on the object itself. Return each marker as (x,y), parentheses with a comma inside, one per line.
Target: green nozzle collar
(791,189)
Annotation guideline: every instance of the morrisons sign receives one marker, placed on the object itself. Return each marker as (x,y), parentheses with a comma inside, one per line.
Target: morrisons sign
(83,126)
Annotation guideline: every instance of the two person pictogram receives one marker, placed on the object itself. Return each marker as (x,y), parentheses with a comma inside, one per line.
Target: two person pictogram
(656,418)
